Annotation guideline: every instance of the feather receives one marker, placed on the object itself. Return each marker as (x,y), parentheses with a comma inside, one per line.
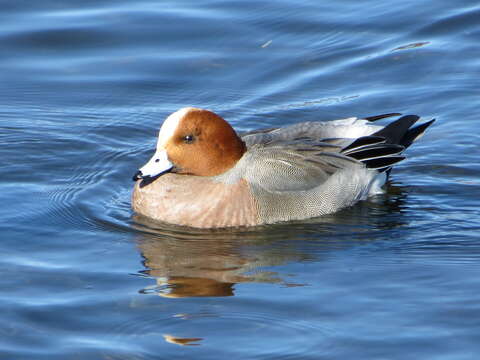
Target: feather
(396,130)
(415,133)
(363,141)
(376,151)
(383,116)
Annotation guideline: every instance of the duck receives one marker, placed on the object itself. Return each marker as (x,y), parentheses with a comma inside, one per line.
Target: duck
(204,174)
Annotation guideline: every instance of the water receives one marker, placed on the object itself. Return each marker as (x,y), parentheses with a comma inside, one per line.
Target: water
(84,87)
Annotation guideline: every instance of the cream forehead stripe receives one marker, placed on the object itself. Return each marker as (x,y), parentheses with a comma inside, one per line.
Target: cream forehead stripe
(170,125)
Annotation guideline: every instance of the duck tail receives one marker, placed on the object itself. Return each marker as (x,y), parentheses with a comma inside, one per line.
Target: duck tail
(384,148)
(415,133)
(401,131)
(383,116)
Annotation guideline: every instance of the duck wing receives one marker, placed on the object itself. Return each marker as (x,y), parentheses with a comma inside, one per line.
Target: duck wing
(295,166)
(311,169)
(313,131)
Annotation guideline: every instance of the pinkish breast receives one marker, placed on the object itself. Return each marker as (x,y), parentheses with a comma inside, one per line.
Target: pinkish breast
(196,201)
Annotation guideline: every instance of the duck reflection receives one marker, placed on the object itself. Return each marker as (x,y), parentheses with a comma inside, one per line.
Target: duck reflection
(182,341)
(209,263)
(206,264)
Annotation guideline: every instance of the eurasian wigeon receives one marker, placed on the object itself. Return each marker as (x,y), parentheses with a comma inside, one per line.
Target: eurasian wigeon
(204,175)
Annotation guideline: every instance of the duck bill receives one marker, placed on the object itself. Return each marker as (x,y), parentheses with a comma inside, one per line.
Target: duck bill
(154,168)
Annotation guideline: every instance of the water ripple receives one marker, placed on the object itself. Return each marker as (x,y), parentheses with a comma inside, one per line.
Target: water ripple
(85,86)
(291,339)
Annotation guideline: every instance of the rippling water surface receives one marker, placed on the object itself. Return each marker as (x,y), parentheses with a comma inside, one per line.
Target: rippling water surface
(86,84)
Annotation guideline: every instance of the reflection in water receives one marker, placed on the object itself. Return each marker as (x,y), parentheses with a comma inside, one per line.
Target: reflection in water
(412,45)
(204,263)
(187,262)
(181,341)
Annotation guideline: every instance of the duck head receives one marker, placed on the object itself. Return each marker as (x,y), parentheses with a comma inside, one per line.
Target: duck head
(193,141)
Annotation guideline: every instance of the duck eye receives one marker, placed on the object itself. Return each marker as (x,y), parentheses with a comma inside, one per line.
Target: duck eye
(188,139)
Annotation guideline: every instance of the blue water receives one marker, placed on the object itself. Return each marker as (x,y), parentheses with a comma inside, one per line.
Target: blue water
(84,87)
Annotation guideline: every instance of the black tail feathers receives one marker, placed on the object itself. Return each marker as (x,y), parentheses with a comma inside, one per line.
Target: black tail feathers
(384,148)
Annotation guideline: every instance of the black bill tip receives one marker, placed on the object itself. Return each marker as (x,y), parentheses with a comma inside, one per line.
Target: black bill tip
(146,180)
(137,176)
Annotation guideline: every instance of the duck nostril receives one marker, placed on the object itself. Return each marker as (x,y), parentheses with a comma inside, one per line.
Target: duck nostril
(138,175)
